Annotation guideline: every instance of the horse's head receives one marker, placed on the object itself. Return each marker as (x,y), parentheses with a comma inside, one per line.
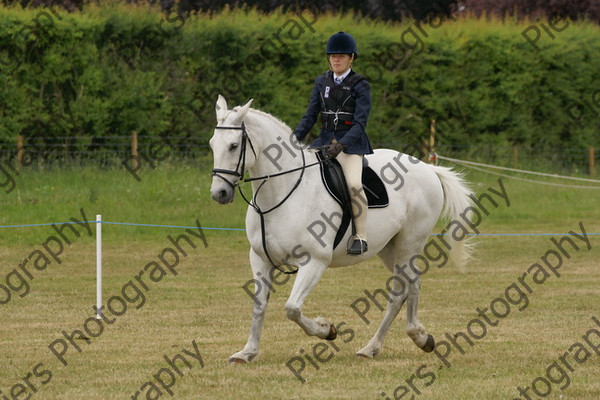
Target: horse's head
(232,150)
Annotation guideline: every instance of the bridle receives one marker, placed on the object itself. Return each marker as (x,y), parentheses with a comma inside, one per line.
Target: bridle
(237,172)
(240,168)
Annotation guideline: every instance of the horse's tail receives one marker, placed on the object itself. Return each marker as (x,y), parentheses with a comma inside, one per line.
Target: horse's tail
(456,202)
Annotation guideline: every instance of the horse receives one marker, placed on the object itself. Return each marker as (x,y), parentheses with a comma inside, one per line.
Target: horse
(289,196)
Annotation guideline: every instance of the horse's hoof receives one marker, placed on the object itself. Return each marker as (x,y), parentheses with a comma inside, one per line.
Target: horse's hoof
(332,333)
(429,344)
(236,361)
(364,356)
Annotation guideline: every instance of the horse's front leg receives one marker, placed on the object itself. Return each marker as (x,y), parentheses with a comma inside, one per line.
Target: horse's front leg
(261,272)
(308,277)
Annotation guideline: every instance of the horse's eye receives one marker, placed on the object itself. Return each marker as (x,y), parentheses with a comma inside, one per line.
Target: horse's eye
(233,146)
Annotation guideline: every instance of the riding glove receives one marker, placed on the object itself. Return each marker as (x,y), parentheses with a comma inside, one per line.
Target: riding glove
(334,149)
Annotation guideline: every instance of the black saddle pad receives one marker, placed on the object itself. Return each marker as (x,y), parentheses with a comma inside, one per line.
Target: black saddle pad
(335,183)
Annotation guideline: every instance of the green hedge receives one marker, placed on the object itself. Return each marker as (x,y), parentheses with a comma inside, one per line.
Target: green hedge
(84,81)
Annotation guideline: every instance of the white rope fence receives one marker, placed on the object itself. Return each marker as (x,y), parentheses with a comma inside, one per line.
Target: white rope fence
(99,222)
(477,166)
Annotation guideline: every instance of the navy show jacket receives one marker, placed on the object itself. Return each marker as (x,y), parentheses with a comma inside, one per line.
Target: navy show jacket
(355,138)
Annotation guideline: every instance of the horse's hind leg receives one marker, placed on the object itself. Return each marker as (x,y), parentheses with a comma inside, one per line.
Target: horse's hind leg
(412,277)
(396,297)
(414,329)
(308,277)
(405,287)
(261,272)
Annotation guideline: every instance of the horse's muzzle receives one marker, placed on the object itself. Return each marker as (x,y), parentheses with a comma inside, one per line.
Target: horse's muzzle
(222,195)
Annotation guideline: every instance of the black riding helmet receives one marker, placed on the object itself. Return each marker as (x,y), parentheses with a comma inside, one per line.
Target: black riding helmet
(341,43)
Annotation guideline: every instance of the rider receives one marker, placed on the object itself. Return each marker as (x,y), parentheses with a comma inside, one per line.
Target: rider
(343,98)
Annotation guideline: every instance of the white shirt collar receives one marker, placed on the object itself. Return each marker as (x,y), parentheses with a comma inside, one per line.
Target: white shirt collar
(343,76)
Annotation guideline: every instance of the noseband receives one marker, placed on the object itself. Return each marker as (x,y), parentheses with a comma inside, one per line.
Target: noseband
(241,164)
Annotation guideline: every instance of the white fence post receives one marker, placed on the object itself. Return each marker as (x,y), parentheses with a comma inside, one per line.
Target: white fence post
(99,266)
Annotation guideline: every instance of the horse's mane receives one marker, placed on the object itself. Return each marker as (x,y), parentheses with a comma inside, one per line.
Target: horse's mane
(254,113)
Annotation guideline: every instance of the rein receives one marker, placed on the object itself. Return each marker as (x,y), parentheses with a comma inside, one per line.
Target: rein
(239,173)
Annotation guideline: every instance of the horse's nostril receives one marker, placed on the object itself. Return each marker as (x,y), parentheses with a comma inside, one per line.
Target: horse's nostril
(223,194)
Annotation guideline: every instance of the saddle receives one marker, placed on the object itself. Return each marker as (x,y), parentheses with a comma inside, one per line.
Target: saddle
(335,183)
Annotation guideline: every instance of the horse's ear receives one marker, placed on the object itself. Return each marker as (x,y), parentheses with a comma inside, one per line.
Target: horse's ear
(243,111)
(221,108)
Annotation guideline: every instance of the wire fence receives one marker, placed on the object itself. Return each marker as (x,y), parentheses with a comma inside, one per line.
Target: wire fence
(571,161)
(103,150)
(113,150)
(493,169)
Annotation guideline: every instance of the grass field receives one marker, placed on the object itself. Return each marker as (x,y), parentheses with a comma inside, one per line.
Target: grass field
(204,304)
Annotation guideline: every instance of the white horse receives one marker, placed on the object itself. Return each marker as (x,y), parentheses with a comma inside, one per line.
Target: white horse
(249,140)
